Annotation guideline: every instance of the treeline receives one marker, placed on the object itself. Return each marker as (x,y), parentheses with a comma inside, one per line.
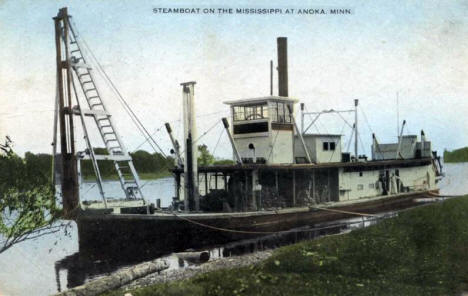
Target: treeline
(144,162)
(36,169)
(457,155)
(26,173)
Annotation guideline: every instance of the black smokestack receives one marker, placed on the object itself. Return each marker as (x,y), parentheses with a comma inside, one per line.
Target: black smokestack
(282,66)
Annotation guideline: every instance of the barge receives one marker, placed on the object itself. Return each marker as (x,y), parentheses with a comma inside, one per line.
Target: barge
(282,177)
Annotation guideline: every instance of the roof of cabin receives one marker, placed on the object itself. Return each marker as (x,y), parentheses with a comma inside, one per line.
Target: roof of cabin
(261,99)
(320,135)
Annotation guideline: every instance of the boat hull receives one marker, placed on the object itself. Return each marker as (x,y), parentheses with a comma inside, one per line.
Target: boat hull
(114,235)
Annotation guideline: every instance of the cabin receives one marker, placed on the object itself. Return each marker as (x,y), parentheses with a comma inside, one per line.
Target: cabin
(263,129)
(274,170)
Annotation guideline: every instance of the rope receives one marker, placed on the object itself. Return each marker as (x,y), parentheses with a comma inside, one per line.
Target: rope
(207,131)
(344,212)
(146,140)
(270,232)
(219,139)
(127,108)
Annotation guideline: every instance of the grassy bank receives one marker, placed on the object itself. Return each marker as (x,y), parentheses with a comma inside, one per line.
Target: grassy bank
(143,176)
(424,251)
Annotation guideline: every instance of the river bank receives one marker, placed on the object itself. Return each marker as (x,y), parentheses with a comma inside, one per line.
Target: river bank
(423,251)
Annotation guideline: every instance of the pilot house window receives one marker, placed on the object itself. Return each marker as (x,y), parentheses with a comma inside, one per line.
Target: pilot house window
(280,113)
(250,112)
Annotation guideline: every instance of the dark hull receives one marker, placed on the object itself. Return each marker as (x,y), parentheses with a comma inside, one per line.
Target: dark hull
(147,236)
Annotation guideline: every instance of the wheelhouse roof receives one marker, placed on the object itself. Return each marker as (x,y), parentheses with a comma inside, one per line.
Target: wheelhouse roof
(260,100)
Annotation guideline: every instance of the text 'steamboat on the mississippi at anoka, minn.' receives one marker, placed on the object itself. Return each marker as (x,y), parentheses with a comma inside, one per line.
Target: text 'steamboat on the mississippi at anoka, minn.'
(282,177)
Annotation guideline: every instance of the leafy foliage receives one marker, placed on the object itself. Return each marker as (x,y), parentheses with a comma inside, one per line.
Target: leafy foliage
(204,156)
(27,201)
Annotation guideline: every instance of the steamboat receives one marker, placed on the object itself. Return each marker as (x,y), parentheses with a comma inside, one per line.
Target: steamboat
(282,176)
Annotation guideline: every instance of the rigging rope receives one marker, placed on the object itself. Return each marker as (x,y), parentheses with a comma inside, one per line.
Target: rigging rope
(127,108)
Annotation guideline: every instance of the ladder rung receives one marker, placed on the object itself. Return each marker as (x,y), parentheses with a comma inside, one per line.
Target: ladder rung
(87,112)
(97,104)
(91,89)
(110,157)
(101,119)
(76,50)
(107,125)
(82,65)
(110,140)
(83,74)
(108,133)
(88,81)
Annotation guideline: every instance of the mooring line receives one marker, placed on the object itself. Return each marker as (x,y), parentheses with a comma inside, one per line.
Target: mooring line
(344,212)
(272,232)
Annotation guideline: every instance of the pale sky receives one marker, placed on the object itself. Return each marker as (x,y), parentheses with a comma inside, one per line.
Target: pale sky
(416,48)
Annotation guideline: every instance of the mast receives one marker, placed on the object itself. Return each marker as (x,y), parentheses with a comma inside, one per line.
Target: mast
(69,176)
(75,83)
(356,101)
(191,198)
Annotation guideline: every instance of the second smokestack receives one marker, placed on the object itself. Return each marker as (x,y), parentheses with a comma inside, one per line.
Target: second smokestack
(282,66)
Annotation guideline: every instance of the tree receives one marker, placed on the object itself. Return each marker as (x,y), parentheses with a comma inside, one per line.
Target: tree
(27,204)
(205,157)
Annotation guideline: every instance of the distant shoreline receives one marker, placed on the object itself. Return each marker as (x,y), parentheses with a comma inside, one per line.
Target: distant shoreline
(456,156)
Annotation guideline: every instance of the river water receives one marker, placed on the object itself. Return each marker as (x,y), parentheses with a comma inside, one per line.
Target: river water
(42,266)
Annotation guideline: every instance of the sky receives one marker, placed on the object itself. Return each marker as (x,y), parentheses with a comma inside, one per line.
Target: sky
(416,50)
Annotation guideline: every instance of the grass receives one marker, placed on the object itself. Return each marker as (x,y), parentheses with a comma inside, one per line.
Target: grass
(423,251)
(143,176)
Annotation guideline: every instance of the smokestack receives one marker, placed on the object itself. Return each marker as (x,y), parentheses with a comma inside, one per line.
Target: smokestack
(282,66)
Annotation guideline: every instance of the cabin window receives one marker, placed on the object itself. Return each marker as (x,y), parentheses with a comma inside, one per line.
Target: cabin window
(329,146)
(360,187)
(371,186)
(280,113)
(360,174)
(325,146)
(250,112)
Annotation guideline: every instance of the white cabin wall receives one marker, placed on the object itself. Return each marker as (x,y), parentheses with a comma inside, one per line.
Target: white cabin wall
(349,184)
(327,155)
(282,143)
(418,178)
(299,148)
(261,143)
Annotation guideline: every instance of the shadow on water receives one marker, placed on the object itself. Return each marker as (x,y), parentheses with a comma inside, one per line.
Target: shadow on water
(82,267)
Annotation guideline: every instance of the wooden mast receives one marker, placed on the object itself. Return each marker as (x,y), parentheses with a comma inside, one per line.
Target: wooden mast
(69,176)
